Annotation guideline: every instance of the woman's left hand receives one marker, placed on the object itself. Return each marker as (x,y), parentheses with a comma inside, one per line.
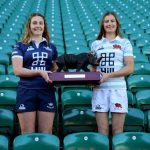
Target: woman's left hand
(44,74)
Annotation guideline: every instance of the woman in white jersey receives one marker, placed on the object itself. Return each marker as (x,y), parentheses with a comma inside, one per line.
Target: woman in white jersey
(117,62)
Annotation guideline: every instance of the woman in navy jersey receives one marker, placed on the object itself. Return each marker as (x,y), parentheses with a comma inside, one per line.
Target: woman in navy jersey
(33,59)
(117,62)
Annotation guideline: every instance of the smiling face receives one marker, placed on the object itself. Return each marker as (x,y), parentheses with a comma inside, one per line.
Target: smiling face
(37,26)
(110,24)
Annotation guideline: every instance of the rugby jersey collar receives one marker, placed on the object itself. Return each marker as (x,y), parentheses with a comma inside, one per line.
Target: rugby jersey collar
(43,40)
(117,38)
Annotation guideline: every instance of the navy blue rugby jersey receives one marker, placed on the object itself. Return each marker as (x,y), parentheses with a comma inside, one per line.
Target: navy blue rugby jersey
(35,58)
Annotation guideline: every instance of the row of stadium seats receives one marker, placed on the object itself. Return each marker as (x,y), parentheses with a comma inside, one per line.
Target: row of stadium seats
(76,141)
(74,112)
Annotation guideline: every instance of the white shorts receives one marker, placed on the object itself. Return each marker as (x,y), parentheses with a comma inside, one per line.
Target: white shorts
(115,100)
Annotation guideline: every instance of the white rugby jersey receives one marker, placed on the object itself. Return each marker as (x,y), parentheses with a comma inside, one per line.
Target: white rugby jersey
(112,53)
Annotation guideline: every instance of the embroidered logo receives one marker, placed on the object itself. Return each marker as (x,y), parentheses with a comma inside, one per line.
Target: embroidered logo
(118,105)
(50,106)
(22,107)
(48,48)
(117,46)
(98,107)
(30,48)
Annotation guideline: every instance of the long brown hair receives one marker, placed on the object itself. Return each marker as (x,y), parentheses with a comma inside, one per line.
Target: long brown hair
(27,35)
(102,32)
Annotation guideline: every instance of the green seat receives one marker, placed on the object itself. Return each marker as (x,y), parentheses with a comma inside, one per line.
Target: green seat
(73,42)
(86,141)
(4,59)
(7,99)
(75,97)
(9,42)
(57,42)
(136,35)
(78,120)
(4,143)
(10,70)
(146,50)
(141,42)
(148,120)
(143,99)
(36,141)
(138,82)
(131,141)
(6,122)
(140,58)
(8,81)
(131,99)
(136,50)
(6,49)
(142,69)
(2,69)
(77,49)
(134,120)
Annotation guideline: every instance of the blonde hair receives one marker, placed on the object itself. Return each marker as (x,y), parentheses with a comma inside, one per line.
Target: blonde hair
(102,32)
(25,39)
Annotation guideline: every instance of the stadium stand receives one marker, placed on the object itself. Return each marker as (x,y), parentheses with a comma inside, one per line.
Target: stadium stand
(73,26)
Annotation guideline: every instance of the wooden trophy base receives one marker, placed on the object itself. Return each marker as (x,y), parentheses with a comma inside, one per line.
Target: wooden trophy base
(75,78)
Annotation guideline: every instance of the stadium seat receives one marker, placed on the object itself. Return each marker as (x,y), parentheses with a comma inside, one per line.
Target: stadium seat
(131,141)
(134,120)
(36,141)
(141,42)
(148,120)
(7,99)
(10,70)
(8,81)
(6,122)
(77,49)
(131,99)
(146,50)
(4,59)
(140,58)
(75,97)
(141,69)
(2,69)
(143,99)
(6,49)
(4,142)
(138,82)
(78,120)
(136,50)
(86,141)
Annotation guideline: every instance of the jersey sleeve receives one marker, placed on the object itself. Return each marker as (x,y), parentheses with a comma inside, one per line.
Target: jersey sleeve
(128,50)
(17,51)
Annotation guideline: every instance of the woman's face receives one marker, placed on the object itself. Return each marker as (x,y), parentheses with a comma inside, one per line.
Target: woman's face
(110,24)
(37,26)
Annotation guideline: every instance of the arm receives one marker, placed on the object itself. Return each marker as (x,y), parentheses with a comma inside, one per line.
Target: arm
(54,67)
(20,71)
(128,69)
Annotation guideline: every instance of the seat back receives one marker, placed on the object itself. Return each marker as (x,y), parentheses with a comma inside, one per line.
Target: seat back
(36,141)
(86,141)
(131,141)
